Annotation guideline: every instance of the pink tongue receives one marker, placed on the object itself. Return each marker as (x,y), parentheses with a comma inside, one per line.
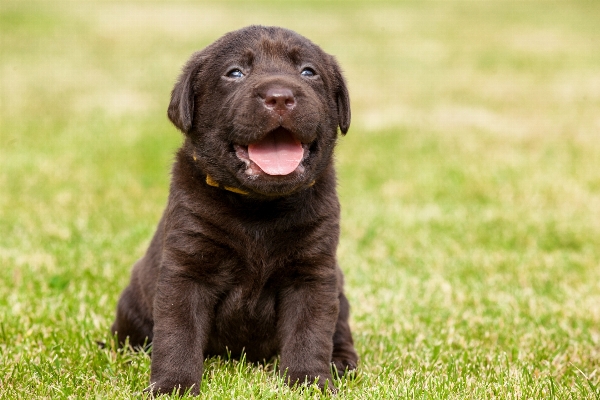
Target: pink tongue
(277,154)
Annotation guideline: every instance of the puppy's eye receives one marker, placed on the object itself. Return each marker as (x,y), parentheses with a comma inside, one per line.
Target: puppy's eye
(308,72)
(235,73)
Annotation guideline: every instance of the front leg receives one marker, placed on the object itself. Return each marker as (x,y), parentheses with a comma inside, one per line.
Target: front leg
(182,321)
(309,311)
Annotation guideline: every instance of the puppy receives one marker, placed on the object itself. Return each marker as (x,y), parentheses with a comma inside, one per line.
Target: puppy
(244,256)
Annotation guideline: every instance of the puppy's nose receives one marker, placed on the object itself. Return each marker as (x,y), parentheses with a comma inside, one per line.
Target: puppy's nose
(280,100)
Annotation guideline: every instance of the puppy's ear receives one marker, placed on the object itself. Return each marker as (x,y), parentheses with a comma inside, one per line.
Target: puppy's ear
(181,108)
(343,104)
(342,98)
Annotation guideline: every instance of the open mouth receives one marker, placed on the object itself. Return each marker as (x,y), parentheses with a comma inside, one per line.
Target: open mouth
(278,153)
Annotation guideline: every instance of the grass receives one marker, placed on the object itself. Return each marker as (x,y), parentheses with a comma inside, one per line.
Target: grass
(469,180)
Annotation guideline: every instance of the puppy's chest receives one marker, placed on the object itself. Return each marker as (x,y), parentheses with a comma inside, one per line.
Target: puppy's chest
(266,250)
(247,311)
(259,267)
(248,302)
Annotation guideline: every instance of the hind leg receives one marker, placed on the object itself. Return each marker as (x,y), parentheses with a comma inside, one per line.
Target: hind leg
(132,320)
(344,356)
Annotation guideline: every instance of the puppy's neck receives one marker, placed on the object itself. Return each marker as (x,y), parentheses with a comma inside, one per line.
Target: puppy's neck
(211,182)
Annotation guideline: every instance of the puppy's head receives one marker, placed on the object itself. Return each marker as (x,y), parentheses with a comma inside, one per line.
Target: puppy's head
(260,108)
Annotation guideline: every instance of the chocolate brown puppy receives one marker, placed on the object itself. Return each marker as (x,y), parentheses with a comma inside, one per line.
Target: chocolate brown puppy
(244,257)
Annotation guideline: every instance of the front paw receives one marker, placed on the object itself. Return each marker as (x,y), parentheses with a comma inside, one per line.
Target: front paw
(344,366)
(345,361)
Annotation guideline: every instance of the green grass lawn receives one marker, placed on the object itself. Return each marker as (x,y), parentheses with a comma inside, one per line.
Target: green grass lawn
(469,181)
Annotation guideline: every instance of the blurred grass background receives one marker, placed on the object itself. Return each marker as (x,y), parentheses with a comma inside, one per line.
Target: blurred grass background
(469,181)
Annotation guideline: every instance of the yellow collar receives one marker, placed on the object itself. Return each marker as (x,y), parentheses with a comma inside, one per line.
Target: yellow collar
(211,182)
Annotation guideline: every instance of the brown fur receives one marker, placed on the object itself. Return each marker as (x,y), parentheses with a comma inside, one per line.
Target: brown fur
(254,272)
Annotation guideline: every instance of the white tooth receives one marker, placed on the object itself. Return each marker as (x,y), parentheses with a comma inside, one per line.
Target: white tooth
(249,171)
